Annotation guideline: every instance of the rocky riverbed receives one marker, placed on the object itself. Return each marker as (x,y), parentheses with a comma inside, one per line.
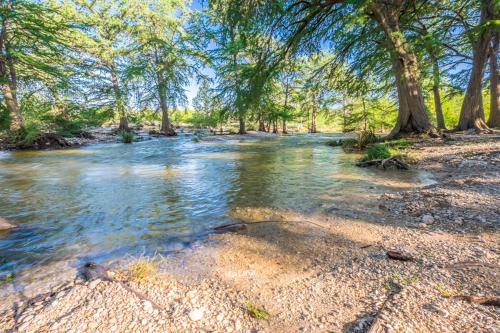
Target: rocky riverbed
(327,272)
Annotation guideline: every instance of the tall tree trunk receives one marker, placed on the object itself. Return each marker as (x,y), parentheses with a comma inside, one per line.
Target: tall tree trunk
(242,129)
(412,116)
(313,120)
(472,112)
(494,120)
(275,126)
(16,118)
(8,75)
(437,97)
(262,125)
(120,103)
(166,126)
(287,88)
(284,130)
(365,115)
(344,115)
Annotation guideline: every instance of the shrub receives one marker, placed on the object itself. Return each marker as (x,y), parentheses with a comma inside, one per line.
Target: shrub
(25,136)
(68,128)
(377,152)
(350,144)
(143,269)
(4,118)
(127,137)
(366,138)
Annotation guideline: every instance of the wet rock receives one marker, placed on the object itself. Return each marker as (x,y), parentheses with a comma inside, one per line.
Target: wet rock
(5,224)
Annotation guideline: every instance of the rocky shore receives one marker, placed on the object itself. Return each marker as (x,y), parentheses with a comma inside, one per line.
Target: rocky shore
(282,271)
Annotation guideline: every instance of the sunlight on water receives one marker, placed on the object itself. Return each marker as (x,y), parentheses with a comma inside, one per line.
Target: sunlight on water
(101,202)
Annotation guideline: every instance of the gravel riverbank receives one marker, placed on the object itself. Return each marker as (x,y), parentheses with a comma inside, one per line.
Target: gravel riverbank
(323,273)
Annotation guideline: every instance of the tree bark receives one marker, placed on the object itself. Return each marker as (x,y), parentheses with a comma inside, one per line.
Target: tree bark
(412,116)
(166,126)
(472,112)
(262,125)
(284,129)
(8,76)
(365,115)
(437,97)
(494,119)
(242,124)
(313,120)
(287,88)
(120,103)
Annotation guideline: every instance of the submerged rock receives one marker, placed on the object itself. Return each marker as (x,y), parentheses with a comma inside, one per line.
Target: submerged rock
(5,224)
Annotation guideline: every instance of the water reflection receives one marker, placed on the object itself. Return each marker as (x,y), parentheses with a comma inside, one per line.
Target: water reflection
(104,201)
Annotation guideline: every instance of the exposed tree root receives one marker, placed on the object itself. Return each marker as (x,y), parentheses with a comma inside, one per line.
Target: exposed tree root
(481,300)
(385,163)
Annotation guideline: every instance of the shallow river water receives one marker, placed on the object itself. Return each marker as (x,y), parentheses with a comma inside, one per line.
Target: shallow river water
(104,201)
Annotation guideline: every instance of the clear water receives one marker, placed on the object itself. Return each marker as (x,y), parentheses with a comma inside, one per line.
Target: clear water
(101,202)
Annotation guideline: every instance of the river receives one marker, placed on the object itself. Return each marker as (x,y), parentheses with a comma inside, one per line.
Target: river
(105,201)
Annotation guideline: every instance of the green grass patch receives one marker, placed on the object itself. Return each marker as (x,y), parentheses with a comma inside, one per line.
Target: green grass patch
(256,312)
(360,142)
(377,151)
(399,143)
(143,269)
(127,137)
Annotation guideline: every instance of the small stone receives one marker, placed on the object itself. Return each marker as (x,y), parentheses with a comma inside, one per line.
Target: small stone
(428,219)
(219,317)
(196,314)
(148,306)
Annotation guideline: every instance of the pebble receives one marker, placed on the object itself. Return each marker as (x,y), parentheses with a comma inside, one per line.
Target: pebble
(196,314)
(428,219)
(148,306)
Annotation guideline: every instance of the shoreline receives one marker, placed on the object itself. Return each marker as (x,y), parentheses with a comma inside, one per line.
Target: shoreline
(320,273)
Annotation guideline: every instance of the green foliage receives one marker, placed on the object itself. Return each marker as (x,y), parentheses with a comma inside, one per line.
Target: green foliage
(377,151)
(127,137)
(399,143)
(25,136)
(350,144)
(362,140)
(4,118)
(366,138)
(256,312)
(9,277)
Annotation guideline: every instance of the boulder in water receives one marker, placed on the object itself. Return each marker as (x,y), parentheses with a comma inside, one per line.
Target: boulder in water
(5,225)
